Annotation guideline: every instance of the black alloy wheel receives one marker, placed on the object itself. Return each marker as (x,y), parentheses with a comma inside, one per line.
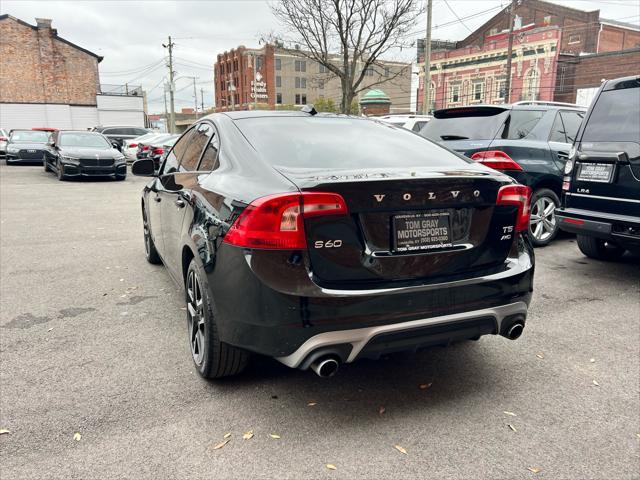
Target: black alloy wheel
(212,358)
(60,172)
(150,251)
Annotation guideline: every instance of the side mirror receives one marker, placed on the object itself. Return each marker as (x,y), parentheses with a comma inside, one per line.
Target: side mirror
(115,145)
(144,168)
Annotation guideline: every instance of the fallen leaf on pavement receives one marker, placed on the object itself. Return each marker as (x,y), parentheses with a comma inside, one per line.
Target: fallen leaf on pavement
(221,444)
(227,435)
(510,413)
(50,329)
(533,469)
(331,466)
(511,427)
(596,383)
(424,386)
(248,435)
(539,355)
(592,360)
(311,404)
(77,437)
(4,431)
(273,435)
(381,410)
(400,449)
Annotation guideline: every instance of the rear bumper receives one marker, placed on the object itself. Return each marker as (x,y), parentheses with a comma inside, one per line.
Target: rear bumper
(253,313)
(621,229)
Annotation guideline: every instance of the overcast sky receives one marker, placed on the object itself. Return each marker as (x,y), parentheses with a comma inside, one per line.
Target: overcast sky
(129,34)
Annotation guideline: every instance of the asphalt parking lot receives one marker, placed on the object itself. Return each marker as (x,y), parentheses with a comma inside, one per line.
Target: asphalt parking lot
(93,341)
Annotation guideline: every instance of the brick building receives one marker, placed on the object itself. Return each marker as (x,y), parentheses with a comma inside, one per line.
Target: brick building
(582,31)
(283,77)
(48,81)
(474,75)
(472,70)
(38,66)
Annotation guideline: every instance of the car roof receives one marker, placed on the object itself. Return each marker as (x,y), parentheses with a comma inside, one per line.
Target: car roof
(632,81)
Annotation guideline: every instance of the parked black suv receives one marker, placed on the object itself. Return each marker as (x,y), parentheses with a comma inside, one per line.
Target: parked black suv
(530,141)
(601,202)
(120,133)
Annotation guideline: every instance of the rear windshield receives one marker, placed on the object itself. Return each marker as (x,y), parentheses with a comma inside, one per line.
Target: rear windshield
(340,143)
(615,117)
(29,136)
(474,127)
(88,140)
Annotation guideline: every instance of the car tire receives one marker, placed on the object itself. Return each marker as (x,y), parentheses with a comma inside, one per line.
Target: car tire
(60,173)
(150,251)
(46,165)
(599,249)
(543,226)
(211,357)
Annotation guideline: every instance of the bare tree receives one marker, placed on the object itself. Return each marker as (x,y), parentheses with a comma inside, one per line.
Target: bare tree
(348,37)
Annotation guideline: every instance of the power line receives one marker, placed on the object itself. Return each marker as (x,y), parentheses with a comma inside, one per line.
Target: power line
(456,15)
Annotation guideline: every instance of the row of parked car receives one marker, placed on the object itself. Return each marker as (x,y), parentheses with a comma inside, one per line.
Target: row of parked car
(103,151)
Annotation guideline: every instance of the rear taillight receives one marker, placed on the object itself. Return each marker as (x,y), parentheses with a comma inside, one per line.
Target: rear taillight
(496,159)
(158,151)
(520,196)
(3,139)
(277,221)
(566,183)
(145,148)
(133,145)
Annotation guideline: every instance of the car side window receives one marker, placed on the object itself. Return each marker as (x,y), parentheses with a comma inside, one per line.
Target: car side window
(197,142)
(139,131)
(418,126)
(558,133)
(173,158)
(572,122)
(210,160)
(521,123)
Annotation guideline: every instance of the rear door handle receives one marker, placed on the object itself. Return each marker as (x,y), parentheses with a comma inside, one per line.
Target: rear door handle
(180,203)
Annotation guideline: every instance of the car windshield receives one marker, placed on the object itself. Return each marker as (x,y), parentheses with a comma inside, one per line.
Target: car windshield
(29,136)
(615,117)
(86,140)
(474,125)
(340,143)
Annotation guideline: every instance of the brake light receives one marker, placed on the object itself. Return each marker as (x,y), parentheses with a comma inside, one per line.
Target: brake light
(277,221)
(158,151)
(3,139)
(566,184)
(520,196)
(133,145)
(496,159)
(145,148)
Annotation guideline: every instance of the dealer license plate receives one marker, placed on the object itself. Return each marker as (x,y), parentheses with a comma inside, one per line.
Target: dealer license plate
(596,172)
(421,231)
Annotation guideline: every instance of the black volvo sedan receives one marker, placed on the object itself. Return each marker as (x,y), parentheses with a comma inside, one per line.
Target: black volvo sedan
(26,146)
(83,154)
(321,239)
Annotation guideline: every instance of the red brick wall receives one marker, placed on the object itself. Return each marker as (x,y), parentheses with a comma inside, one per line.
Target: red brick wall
(37,67)
(589,71)
(614,38)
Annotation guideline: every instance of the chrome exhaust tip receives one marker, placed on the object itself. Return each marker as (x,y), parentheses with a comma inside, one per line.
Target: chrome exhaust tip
(514,331)
(325,367)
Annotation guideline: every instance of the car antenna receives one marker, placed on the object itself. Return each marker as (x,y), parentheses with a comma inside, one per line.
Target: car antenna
(309,109)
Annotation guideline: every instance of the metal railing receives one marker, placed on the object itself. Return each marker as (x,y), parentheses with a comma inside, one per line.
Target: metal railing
(125,90)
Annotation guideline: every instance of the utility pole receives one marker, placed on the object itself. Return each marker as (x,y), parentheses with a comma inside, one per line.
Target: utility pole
(507,83)
(202,99)
(195,96)
(166,114)
(172,88)
(426,87)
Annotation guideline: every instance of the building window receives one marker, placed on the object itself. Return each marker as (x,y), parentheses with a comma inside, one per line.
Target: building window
(561,82)
(301,82)
(501,89)
(278,64)
(322,68)
(369,72)
(493,31)
(300,65)
(259,61)
(547,21)
(278,81)
(279,98)
(574,39)
(478,91)
(301,98)
(321,84)
(222,69)
(235,65)
(455,94)
(530,87)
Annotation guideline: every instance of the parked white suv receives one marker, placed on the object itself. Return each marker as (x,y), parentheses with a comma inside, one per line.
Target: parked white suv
(410,122)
